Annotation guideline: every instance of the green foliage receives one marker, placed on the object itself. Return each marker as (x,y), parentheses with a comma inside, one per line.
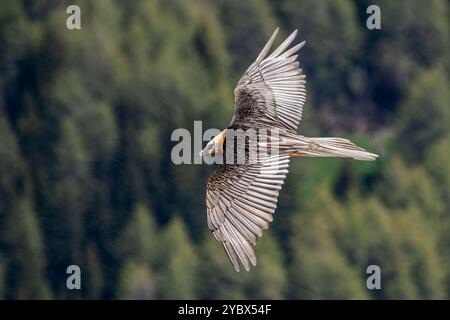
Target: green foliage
(85,170)
(267,281)
(11,167)
(333,62)
(319,268)
(24,245)
(246,22)
(136,282)
(94,274)
(407,187)
(439,168)
(220,281)
(404,48)
(140,237)
(424,114)
(178,277)
(406,34)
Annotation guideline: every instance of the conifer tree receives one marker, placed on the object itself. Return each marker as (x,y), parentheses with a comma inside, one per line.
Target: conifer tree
(178,271)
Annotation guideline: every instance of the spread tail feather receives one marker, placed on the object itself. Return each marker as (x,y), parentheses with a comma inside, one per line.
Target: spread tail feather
(332,147)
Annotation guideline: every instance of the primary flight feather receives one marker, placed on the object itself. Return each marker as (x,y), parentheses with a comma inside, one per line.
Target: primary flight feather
(241,196)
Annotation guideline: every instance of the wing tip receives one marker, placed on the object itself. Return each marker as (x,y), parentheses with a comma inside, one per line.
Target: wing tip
(267,47)
(283,46)
(275,33)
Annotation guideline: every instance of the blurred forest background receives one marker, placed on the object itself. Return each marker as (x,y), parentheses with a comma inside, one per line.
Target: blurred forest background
(85,170)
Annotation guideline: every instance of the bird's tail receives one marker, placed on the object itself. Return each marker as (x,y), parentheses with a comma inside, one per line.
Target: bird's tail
(330,147)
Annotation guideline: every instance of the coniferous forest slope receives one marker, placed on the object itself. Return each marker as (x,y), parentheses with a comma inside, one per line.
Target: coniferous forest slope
(86,176)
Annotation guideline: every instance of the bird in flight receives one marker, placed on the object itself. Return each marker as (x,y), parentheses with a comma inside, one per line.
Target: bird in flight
(241,196)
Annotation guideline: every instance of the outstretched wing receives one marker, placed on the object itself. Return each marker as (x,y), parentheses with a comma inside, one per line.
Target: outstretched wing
(241,200)
(272,90)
